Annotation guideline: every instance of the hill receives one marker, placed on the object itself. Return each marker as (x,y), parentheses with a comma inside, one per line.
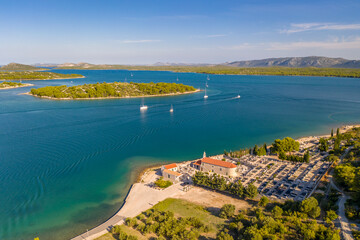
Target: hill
(20,67)
(313,61)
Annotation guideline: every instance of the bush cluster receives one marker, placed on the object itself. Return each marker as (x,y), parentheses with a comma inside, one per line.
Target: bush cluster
(218,182)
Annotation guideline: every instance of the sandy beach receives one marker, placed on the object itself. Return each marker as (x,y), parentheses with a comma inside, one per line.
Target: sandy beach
(101,98)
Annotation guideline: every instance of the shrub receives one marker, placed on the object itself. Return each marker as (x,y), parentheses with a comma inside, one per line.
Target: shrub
(224,236)
(227,211)
(331,215)
(263,201)
(277,212)
(162,183)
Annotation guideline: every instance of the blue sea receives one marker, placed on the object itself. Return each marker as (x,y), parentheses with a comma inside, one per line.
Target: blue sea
(66,166)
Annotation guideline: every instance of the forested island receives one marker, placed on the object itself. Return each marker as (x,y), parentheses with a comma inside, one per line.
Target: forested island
(229,70)
(7,85)
(112,90)
(31,75)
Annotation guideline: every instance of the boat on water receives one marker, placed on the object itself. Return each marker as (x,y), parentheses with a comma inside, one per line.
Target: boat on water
(177,78)
(131,74)
(208,78)
(205,96)
(238,96)
(171,108)
(143,107)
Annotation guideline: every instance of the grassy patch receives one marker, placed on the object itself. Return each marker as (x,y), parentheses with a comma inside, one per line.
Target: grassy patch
(183,208)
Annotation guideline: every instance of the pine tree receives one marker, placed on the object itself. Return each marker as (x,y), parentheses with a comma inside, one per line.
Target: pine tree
(332,132)
(337,132)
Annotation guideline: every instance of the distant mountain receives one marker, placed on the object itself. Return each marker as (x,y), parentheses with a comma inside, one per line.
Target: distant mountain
(79,65)
(179,64)
(19,67)
(313,61)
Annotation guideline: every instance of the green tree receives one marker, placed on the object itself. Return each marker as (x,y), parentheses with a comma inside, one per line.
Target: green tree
(323,145)
(224,236)
(307,157)
(310,206)
(331,215)
(227,211)
(263,201)
(277,212)
(337,132)
(286,145)
(251,191)
(332,132)
(345,175)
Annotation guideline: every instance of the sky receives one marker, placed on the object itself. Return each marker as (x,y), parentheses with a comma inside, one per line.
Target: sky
(194,31)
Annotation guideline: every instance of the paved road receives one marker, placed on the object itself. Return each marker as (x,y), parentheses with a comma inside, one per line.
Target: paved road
(344,222)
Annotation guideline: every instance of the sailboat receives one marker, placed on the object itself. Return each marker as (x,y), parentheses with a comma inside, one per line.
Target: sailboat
(207,85)
(171,108)
(208,78)
(238,96)
(131,74)
(125,79)
(177,78)
(205,96)
(143,107)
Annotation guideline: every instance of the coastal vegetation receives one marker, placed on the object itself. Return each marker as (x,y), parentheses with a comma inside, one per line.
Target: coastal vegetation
(108,90)
(221,69)
(180,219)
(347,174)
(219,183)
(12,85)
(31,75)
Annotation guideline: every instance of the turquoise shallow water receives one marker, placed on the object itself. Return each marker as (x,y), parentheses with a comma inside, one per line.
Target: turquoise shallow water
(65,166)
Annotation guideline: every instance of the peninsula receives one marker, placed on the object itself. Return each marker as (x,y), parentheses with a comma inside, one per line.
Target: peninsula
(7,85)
(112,90)
(269,195)
(31,75)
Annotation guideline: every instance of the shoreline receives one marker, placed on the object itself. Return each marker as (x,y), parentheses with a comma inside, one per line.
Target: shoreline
(25,85)
(40,79)
(102,98)
(118,218)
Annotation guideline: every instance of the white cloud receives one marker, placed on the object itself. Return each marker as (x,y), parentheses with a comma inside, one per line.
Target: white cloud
(216,35)
(332,44)
(141,41)
(335,44)
(302,27)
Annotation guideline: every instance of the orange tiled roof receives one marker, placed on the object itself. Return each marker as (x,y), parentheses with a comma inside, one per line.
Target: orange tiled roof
(170,166)
(198,162)
(172,172)
(218,162)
